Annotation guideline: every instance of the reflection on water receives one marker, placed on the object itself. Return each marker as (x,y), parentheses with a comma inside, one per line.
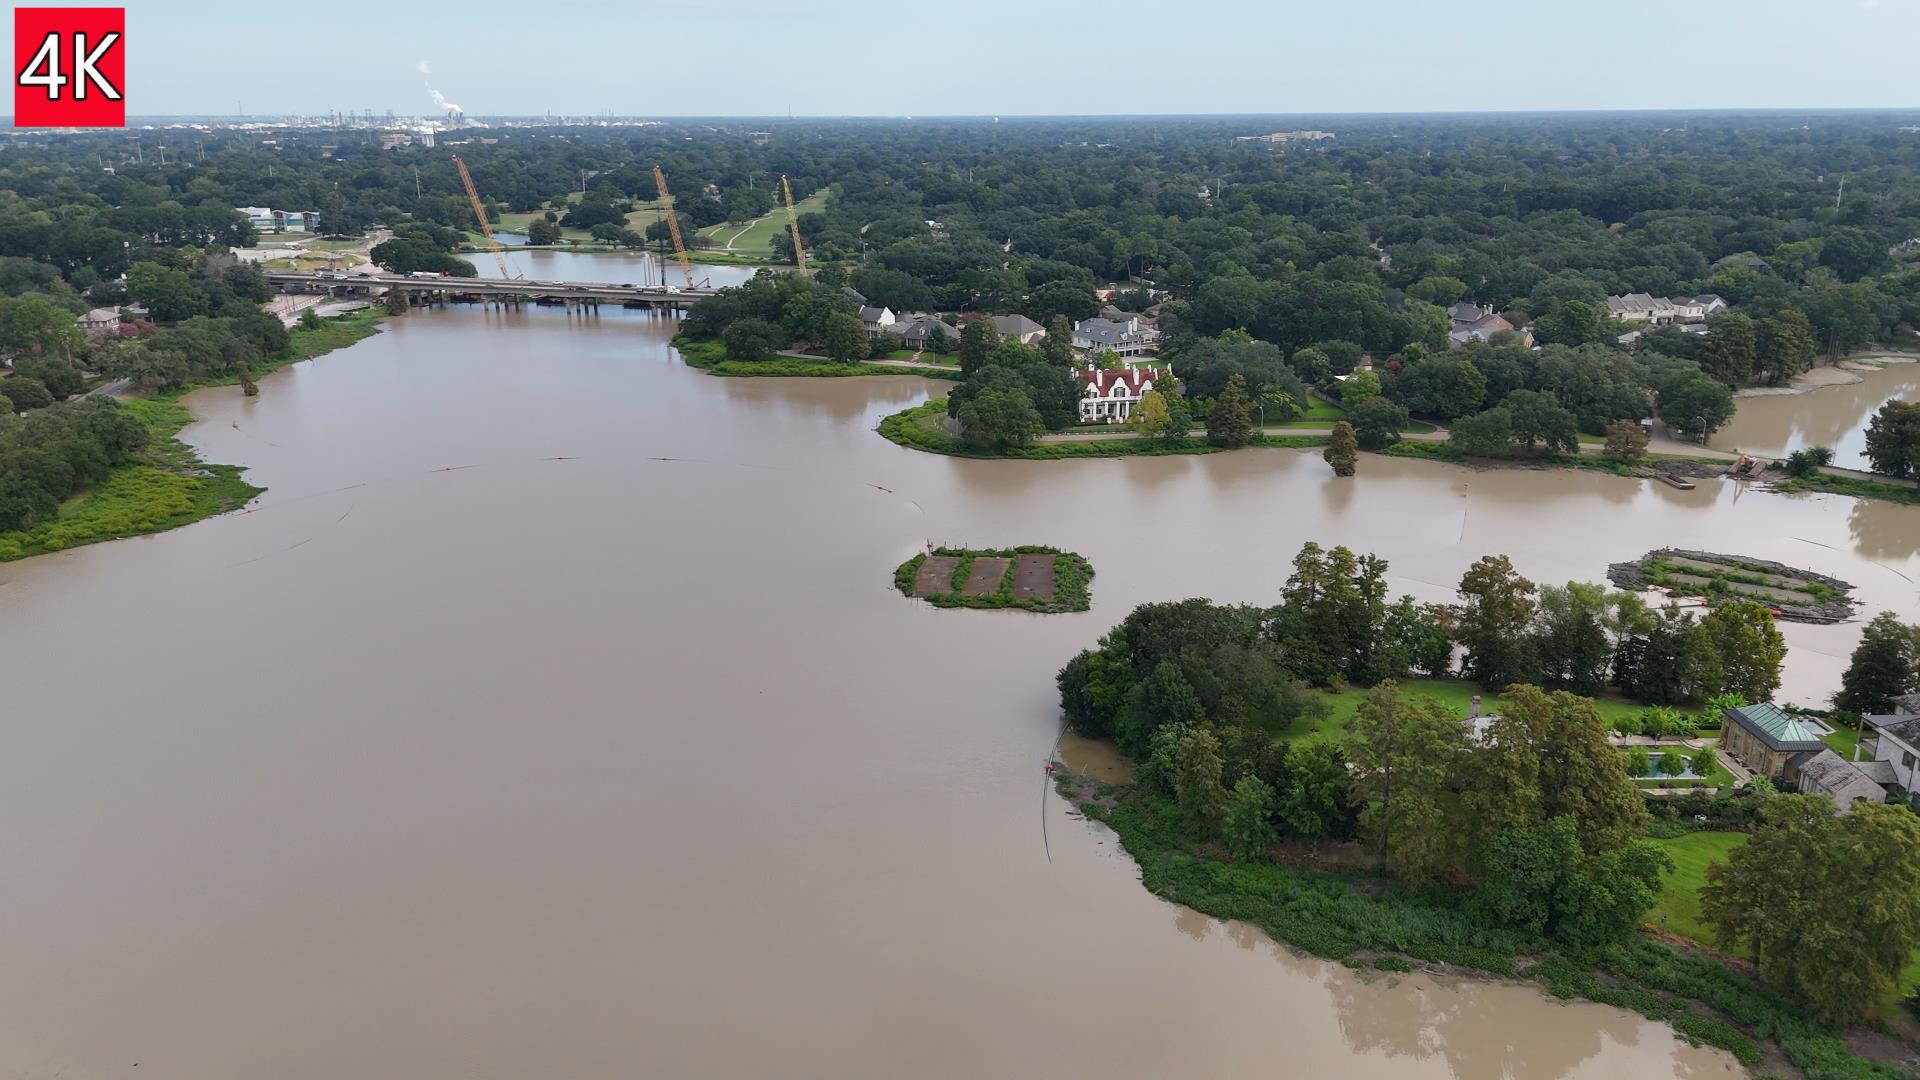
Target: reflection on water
(1834,416)
(553,714)
(1096,759)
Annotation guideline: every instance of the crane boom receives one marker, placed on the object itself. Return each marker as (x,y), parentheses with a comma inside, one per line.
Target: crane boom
(793,224)
(480,214)
(673,224)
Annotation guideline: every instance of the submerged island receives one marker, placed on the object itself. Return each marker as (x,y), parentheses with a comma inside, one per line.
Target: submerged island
(1031,577)
(1792,594)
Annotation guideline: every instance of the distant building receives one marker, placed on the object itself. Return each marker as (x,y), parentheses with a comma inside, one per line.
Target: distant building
(1285,137)
(1128,338)
(877,319)
(1662,311)
(1470,323)
(1018,328)
(100,323)
(918,331)
(1109,394)
(267,220)
(393,140)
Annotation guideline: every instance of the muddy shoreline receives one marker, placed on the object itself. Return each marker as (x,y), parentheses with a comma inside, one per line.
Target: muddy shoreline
(1845,372)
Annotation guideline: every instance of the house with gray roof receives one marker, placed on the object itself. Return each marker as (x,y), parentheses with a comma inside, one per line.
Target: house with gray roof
(915,332)
(1018,328)
(1827,773)
(1899,743)
(1129,338)
(1765,738)
(878,319)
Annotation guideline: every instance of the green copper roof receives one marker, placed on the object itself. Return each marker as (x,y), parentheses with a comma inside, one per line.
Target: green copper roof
(1774,727)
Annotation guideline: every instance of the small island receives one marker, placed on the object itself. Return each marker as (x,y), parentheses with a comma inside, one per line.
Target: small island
(1796,595)
(1031,577)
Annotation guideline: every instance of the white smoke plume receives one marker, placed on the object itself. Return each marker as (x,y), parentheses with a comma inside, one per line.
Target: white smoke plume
(438,99)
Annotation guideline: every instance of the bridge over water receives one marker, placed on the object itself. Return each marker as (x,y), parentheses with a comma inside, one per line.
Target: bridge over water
(515,291)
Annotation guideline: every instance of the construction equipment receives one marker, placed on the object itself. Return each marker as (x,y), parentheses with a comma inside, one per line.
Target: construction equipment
(793,224)
(480,214)
(673,224)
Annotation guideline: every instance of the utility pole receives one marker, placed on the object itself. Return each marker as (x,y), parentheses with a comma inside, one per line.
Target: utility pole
(1838,194)
(416,183)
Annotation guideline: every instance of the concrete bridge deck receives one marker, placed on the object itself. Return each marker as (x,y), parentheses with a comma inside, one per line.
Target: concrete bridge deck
(323,281)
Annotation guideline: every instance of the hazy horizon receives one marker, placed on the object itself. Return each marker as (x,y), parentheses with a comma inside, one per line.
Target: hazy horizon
(865,59)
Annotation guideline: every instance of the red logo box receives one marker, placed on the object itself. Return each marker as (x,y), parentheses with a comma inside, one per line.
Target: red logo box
(69,67)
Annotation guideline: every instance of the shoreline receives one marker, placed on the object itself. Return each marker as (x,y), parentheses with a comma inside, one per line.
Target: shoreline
(1847,371)
(169,485)
(1305,905)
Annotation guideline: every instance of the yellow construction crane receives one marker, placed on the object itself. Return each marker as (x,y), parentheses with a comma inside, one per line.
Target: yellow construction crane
(793,224)
(480,214)
(673,224)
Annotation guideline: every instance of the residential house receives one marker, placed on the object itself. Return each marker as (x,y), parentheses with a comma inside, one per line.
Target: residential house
(854,295)
(1899,743)
(1129,338)
(1641,307)
(1827,773)
(1471,323)
(1109,394)
(1661,311)
(100,323)
(914,332)
(1765,738)
(879,320)
(1018,328)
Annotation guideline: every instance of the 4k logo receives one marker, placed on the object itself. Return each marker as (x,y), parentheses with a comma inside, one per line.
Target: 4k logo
(69,67)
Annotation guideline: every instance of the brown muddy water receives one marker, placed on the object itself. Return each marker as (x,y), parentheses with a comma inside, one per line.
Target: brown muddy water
(554,714)
(1775,425)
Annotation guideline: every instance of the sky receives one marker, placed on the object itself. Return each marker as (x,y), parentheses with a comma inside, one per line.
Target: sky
(1015,57)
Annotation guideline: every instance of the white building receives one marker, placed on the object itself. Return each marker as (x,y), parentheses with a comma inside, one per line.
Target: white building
(877,319)
(268,220)
(1899,746)
(1110,394)
(1660,310)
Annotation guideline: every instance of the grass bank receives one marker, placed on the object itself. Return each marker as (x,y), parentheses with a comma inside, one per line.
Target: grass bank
(919,428)
(1851,485)
(710,356)
(1456,694)
(1360,920)
(167,485)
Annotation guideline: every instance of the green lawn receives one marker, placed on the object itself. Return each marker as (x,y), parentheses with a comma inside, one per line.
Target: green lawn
(1843,741)
(1322,410)
(756,238)
(1679,908)
(1456,694)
